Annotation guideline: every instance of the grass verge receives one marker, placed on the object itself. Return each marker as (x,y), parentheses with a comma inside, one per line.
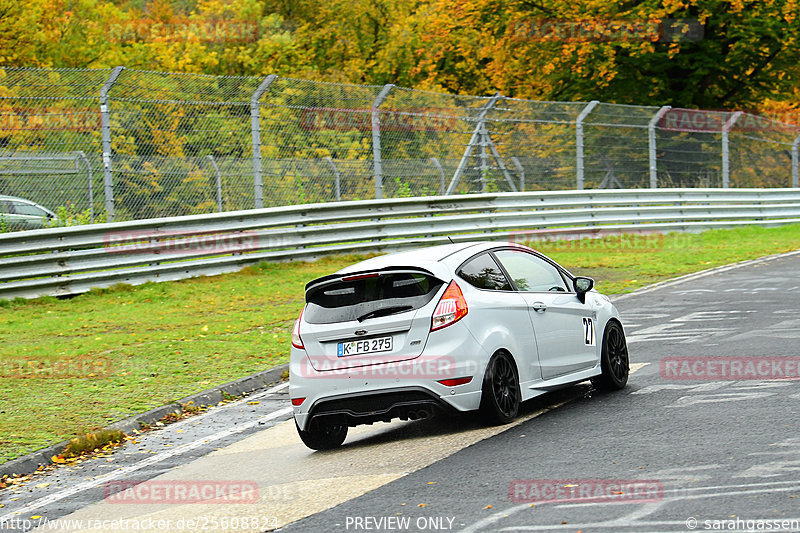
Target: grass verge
(69,367)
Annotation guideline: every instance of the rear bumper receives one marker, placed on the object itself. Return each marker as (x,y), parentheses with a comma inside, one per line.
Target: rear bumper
(405,403)
(404,389)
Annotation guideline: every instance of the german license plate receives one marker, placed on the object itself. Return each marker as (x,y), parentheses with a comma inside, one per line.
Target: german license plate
(382,344)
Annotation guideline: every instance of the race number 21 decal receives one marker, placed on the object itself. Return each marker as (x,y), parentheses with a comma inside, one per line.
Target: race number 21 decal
(588,331)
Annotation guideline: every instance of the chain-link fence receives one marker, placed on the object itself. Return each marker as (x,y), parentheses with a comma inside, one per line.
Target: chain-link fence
(120,144)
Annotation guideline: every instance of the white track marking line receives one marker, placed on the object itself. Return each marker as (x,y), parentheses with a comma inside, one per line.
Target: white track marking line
(273,390)
(194,419)
(506,513)
(250,398)
(701,274)
(96,482)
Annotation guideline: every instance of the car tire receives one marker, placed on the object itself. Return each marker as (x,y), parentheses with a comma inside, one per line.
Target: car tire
(322,436)
(500,396)
(614,360)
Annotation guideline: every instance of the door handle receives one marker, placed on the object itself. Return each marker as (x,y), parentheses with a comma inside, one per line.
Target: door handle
(539,307)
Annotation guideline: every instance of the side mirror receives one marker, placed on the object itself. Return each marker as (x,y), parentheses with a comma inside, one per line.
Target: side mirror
(582,286)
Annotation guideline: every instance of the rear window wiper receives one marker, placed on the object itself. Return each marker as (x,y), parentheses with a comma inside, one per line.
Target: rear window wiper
(385,311)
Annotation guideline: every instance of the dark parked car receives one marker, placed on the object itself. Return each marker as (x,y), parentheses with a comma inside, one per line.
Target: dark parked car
(19,214)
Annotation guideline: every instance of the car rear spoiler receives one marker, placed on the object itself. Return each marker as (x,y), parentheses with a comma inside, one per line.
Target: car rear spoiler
(331,278)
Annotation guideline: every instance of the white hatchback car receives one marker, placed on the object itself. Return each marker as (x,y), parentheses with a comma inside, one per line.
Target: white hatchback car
(452,328)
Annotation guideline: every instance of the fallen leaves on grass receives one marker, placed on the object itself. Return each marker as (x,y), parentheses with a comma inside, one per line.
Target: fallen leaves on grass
(92,441)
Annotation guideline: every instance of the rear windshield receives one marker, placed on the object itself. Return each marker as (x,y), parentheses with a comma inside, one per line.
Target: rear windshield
(348,300)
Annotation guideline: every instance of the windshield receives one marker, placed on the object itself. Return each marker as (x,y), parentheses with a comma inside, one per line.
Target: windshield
(365,297)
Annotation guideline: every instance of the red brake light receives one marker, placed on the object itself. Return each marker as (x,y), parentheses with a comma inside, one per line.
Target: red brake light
(297,401)
(451,308)
(455,382)
(297,342)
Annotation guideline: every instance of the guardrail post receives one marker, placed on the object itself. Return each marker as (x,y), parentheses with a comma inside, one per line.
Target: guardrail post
(651,144)
(579,142)
(80,156)
(376,139)
(521,171)
(105,128)
(441,174)
(218,180)
(255,132)
(336,179)
(795,162)
(476,136)
(726,171)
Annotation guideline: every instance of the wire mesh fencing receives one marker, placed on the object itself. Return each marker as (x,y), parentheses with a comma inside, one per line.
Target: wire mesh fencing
(123,144)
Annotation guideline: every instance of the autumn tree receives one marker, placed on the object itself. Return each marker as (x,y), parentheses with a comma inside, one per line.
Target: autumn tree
(712,54)
(626,52)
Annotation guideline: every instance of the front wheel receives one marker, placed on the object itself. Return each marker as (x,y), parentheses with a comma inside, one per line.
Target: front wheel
(500,397)
(613,359)
(321,435)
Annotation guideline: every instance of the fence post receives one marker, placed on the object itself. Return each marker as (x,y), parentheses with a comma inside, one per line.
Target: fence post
(82,157)
(487,141)
(521,171)
(651,144)
(476,135)
(218,180)
(483,156)
(105,127)
(726,171)
(579,142)
(795,162)
(441,174)
(336,179)
(376,139)
(255,131)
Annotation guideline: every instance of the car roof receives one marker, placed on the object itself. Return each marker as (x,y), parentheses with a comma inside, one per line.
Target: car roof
(426,257)
(440,260)
(17,199)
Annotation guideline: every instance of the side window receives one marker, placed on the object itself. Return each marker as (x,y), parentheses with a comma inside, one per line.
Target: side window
(482,272)
(531,273)
(27,209)
(6,207)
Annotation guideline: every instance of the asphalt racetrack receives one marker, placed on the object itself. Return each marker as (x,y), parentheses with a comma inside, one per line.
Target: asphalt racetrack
(704,438)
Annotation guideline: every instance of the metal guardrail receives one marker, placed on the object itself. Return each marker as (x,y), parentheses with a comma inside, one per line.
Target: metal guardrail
(65,261)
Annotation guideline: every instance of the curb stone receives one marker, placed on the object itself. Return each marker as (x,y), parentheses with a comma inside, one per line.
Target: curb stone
(30,463)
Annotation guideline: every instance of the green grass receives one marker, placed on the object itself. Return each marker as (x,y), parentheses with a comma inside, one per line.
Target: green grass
(68,367)
(623,263)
